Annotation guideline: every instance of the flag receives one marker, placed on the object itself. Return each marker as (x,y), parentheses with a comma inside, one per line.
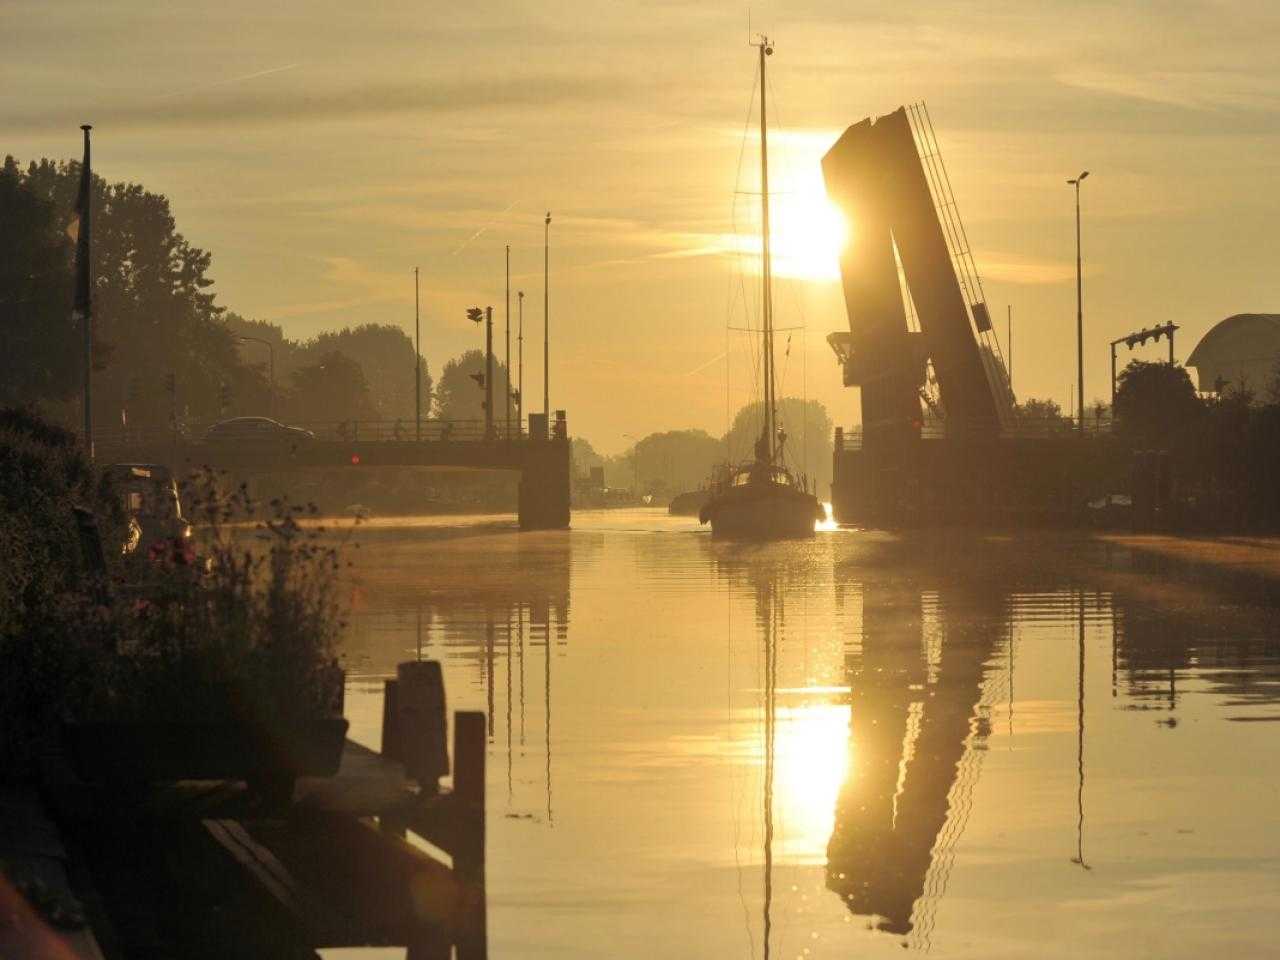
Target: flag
(78,230)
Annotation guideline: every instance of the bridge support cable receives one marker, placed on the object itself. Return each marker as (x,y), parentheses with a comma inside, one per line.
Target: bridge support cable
(993,362)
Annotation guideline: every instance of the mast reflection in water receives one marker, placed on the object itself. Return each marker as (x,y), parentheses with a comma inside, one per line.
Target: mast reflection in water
(817,746)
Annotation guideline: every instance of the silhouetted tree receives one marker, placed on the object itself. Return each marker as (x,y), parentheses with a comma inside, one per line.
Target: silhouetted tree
(1154,403)
(333,389)
(672,462)
(808,430)
(154,312)
(459,397)
(39,354)
(1034,409)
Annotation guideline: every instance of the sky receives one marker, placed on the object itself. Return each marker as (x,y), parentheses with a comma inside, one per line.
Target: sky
(321,151)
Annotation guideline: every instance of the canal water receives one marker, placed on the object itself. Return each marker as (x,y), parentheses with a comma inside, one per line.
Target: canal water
(957,745)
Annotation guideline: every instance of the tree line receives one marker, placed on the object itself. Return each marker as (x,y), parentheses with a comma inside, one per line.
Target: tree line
(165,352)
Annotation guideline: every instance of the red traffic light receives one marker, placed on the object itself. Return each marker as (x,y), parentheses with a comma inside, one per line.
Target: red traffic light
(355,459)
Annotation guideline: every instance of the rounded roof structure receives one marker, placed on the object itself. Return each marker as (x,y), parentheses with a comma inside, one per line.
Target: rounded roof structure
(1240,351)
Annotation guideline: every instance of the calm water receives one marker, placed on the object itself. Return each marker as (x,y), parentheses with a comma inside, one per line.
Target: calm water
(845,747)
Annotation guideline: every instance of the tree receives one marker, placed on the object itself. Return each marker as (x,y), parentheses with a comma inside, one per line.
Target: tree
(1154,403)
(154,312)
(1041,410)
(460,397)
(674,461)
(807,426)
(583,456)
(331,390)
(385,354)
(39,359)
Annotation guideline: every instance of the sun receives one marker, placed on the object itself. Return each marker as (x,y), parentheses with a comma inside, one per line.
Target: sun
(809,233)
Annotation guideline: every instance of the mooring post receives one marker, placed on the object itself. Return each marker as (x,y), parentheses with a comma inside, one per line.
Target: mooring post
(390,727)
(469,733)
(419,722)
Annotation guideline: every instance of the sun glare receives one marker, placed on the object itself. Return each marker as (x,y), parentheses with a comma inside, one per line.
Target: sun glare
(807,230)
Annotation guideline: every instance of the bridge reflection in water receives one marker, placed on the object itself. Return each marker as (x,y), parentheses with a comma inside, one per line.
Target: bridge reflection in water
(861,783)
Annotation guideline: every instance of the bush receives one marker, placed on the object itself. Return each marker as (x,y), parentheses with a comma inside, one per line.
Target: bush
(250,631)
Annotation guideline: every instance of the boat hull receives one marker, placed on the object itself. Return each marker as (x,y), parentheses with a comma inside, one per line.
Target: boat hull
(776,513)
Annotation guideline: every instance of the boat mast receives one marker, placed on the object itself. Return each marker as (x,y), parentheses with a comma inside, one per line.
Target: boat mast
(766,310)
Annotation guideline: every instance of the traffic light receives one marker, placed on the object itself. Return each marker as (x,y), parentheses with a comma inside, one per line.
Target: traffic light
(224,396)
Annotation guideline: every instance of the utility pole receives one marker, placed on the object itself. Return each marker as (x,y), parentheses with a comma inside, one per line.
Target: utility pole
(1079,304)
(506,380)
(1008,339)
(488,373)
(520,379)
(417,358)
(546,317)
(485,380)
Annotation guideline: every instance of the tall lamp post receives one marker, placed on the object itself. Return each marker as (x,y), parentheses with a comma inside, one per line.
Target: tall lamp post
(520,362)
(506,379)
(271,351)
(485,379)
(1079,305)
(546,317)
(417,360)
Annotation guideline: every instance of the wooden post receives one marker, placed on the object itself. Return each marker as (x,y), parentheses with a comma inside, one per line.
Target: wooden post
(420,722)
(390,726)
(469,732)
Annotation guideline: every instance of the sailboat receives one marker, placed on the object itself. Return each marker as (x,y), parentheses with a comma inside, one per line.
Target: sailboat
(761,499)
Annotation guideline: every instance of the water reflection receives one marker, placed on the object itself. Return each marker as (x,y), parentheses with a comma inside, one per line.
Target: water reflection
(821,736)
(917,729)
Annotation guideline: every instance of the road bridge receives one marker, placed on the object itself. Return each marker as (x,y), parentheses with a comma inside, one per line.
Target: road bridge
(542,460)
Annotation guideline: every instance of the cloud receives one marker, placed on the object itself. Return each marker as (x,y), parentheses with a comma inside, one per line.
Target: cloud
(1202,90)
(1017,268)
(299,104)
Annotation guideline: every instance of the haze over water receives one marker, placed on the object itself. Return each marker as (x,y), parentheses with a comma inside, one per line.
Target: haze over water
(974,747)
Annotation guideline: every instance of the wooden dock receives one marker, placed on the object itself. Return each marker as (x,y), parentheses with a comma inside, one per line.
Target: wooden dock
(208,869)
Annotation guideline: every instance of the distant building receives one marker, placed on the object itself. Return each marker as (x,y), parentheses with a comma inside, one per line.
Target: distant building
(1240,351)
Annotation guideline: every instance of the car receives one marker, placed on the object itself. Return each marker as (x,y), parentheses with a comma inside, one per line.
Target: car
(256,430)
(149,496)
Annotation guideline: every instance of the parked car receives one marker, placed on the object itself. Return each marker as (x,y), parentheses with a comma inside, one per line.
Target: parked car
(150,498)
(257,430)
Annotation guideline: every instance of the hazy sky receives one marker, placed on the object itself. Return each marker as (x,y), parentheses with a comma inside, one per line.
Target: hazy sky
(321,150)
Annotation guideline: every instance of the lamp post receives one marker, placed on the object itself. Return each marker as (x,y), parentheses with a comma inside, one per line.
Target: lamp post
(520,378)
(417,360)
(271,351)
(1079,303)
(486,379)
(546,317)
(506,379)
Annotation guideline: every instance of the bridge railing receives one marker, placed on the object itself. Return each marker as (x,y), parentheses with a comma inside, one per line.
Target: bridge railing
(1022,428)
(378,431)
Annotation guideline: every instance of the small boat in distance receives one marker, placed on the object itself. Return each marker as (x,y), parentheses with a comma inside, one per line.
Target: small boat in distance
(761,500)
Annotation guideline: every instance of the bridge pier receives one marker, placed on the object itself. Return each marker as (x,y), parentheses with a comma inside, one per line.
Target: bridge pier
(544,485)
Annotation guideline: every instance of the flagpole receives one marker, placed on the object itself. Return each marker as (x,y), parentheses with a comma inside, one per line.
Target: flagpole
(417,358)
(84,285)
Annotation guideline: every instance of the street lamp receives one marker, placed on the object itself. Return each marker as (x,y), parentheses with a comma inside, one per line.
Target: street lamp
(475,314)
(271,397)
(546,317)
(520,378)
(1079,304)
